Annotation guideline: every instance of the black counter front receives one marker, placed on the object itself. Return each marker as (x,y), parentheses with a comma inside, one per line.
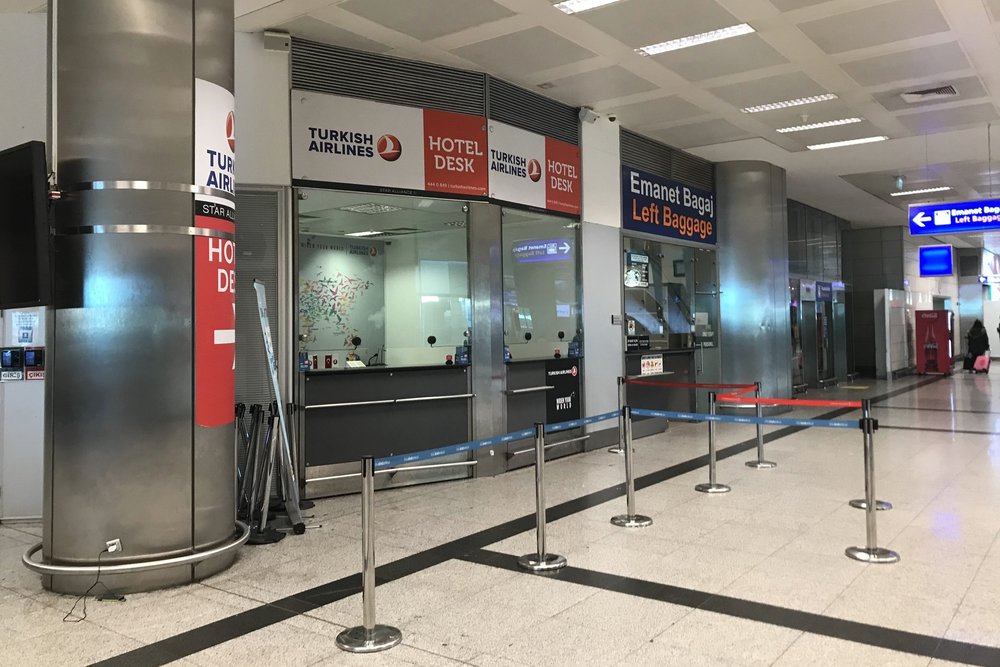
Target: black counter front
(382,411)
(678,366)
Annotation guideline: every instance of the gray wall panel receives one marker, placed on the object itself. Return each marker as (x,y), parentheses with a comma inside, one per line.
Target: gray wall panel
(753,260)
(602,296)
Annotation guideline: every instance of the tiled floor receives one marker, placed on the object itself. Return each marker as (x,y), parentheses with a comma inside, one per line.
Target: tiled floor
(753,577)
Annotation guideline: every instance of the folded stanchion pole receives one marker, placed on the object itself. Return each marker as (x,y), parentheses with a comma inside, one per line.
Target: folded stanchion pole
(871,552)
(712,486)
(630,520)
(619,448)
(540,561)
(369,637)
(760,462)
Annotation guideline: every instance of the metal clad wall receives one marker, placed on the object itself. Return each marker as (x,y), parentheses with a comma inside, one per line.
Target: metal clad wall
(533,112)
(338,71)
(257,222)
(753,246)
(665,161)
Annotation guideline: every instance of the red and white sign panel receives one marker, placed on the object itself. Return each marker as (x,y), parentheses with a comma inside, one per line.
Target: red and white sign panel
(215,258)
(528,168)
(345,140)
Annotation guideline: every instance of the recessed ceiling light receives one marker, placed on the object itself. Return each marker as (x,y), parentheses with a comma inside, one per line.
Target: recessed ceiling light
(371,208)
(922,191)
(849,142)
(816,126)
(789,103)
(370,232)
(577,6)
(695,40)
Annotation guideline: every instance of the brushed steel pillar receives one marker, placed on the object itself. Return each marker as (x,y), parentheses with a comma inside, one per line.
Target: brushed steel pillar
(753,275)
(125,456)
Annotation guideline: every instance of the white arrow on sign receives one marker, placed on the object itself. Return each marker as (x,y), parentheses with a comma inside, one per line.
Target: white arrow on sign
(565,248)
(920,218)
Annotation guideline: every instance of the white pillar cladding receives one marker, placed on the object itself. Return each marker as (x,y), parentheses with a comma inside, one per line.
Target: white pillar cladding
(753,274)
(139,442)
(601,272)
(262,85)
(22,108)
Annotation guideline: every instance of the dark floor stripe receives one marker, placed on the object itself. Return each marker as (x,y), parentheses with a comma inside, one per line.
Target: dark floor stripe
(937,430)
(922,409)
(837,628)
(215,633)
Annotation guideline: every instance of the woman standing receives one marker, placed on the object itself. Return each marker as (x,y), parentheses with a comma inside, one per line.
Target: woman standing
(978,345)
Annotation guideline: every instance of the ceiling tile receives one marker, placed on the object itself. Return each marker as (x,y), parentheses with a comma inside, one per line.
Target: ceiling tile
(658,111)
(994,7)
(881,24)
(591,87)
(929,122)
(643,22)
(769,89)
(789,5)
(705,133)
(321,31)
(428,19)
(913,64)
(728,56)
(969,88)
(523,52)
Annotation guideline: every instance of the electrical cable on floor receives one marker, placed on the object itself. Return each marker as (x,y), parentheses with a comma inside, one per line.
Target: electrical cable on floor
(107,595)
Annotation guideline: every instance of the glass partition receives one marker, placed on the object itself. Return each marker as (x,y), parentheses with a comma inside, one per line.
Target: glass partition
(659,295)
(541,286)
(383,280)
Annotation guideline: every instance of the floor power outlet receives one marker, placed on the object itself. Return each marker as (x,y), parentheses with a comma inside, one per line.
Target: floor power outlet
(114,545)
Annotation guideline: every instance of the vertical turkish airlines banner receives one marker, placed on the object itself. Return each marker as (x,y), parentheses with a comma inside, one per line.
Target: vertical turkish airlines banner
(214,257)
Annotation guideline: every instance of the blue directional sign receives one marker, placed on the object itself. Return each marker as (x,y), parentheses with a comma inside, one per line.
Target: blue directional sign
(955,217)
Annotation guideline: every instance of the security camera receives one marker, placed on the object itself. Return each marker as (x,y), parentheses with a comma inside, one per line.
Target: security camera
(587,115)
(613,118)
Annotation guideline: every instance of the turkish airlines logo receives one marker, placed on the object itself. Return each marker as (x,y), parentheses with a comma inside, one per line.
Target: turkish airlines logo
(231,131)
(389,148)
(575,371)
(534,170)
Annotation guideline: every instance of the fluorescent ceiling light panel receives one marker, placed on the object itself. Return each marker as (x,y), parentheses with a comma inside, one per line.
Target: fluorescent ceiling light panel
(923,191)
(849,142)
(371,208)
(790,103)
(695,40)
(577,6)
(367,233)
(816,126)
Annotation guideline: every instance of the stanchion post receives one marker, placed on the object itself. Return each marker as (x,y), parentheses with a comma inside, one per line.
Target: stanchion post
(369,637)
(619,448)
(540,561)
(631,519)
(712,486)
(871,552)
(760,462)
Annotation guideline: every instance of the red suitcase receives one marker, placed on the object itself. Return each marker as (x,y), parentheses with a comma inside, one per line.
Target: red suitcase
(982,364)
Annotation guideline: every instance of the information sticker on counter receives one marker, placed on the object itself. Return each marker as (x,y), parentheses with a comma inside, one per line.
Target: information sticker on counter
(651,364)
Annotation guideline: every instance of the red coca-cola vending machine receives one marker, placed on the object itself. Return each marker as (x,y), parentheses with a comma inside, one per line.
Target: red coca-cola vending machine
(934,341)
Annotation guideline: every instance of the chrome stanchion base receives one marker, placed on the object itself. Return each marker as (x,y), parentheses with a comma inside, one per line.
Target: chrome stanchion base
(634,521)
(876,555)
(712,488)
(862,504)
(362,640)
(761,464)
(546,563)
(617,449)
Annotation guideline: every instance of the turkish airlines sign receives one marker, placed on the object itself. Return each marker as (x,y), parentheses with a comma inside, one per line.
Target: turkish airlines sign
(346,140)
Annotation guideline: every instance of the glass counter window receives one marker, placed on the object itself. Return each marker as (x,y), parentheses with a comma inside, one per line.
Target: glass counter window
(541,297)
(659,288)
(383,280)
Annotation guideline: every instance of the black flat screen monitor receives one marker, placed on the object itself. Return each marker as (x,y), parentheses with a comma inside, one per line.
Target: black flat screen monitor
(24,227)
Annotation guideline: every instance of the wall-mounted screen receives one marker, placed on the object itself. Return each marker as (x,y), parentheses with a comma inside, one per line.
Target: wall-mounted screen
(24,228)
(936,260)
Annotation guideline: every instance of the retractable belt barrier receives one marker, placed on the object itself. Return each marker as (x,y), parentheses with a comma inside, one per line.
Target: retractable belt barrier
(472,445)
(690,385)
(738,419)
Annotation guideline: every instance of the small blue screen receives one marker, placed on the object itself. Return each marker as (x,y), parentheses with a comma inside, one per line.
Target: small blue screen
(936,260)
